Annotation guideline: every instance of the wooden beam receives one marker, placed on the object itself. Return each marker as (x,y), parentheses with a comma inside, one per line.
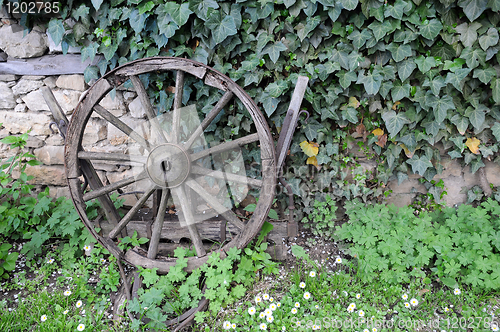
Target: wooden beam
(54,64)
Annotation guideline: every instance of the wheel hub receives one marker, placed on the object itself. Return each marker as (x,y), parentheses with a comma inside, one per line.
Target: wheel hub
(168,165)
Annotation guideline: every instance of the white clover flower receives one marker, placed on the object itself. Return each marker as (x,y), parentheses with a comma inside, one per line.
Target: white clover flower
(494,327)
(65,312)
(265,297)
(270,319)
(271,299)
(405,296)
(361,313)
(353,305)
(263,326)
(374,329)
(457,291)
(262,314)
(103,260)
(294,311)
(316,306)
(50,261)
(251,311)
(67,293)
(79,304)
(414,302)
(268,312)
(87,248)
(81,327)
(233,326)
(297,305)
(312,274)
(283,328)
(272,306)
(366,330)
(278,304)
(226,325)
(350,309)
(258,299)
(302,285)
(407,305)
(358,296)
(43,318)
(338,260)
(446,309)
(298,323)
(307,295)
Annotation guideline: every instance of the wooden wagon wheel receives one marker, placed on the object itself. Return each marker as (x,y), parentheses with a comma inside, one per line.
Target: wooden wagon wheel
(169,159)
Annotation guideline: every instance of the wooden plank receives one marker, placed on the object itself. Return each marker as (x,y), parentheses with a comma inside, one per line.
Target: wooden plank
(158,225)
(55,64)
(226,146)
(153,65)
(176,118)
(112,157)
(111,187)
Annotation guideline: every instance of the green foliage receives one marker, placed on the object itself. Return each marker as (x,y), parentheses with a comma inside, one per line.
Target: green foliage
(131,242)
(457,245)
(321,219)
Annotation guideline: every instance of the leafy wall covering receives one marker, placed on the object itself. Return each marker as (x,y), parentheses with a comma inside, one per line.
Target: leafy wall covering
(397,76)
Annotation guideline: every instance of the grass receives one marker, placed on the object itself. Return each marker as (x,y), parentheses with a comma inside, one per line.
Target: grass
(53,296)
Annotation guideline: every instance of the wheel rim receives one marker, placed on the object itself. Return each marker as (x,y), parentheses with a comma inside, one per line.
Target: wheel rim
(170,161)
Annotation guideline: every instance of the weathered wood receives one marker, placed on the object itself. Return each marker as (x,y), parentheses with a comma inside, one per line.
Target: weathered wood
(216,205)
(150,113)
(225,176)
(56,110)
(176,117)
(215,81)
(158,225)
(209,118)
(126,219)
(226,146)
(112,157)
(161,64)
(47,65)
(112,187)
(189,220)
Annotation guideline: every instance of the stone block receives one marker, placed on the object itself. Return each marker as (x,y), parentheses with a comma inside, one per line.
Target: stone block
(20,108)
(4,133)
(54,140)
(34,142)
(72,82)
(117,137)
(454,186)
(17,45)
(47,175)
(53,48)
(136,109)
(7,100)
(67,99)
(50,155)
(407,187)
(400,200)
(50,81)
(34,77)
(471,179)
(8,78)
(20,123)
(35,101)
(95,131)
(56,192)
(129,96)
(25,86)
(115,104)
(451,168)
(492,171)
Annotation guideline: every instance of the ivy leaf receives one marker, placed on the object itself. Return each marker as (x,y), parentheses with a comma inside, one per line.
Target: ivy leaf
(468,33)
(276,89)
(221,29)
(350,114)
(473,8)
(495,90)
(97,4)
(380,29)
(371,82)
(435,84)
(484,75)
(400,91)
(309,148)
(345,78)
(82,11)
(431,29)
(457,77)
(425,63)
(441,106)
(89,51)
(91,73)
(311,129)
(270,104)
(399,52)
(473,56)
(496,130)
(359,38)
(419,165)
(349,4)
(461,122)
(394,122)
(145,7)
(137,20)
(274,50)
(201,7)
(489,39)
(476,116)
(180,14)
(396,10)
(473,144)
(56,30)
(405,68)
(108,51)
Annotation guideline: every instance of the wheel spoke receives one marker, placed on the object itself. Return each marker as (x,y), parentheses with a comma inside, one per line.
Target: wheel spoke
(111,187)
(144,98)
(225,176)
(213,202)
(158,225)
(209,118)
(126,219)
(176,118)
(112,157)
(188,215)
(226,146)
(121,125)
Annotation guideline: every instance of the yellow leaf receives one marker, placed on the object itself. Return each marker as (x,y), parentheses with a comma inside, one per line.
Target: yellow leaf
(407,151)
(473,145)
(312,161)
(378,132)
(395,106)
(310,149)
(353,102)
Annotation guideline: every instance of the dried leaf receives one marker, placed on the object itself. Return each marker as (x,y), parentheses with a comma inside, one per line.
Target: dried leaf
(408,153)
(313,161)
(360,129)
(353,102)
(395,106)
(310,148)
(378,132)
(423,291)
(473,144)
(382,140)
